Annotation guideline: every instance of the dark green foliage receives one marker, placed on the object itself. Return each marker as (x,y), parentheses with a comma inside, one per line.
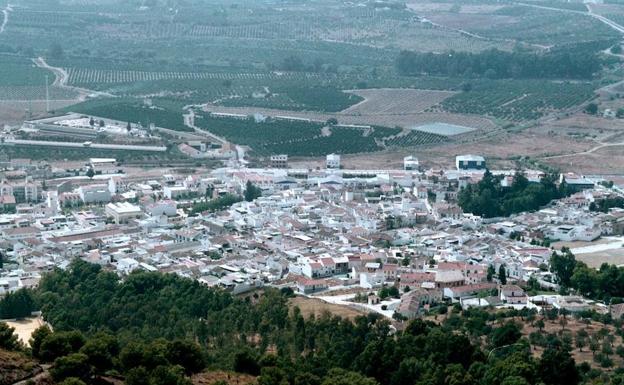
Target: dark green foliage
(134,111)
(518,100)
(216,204)
(591,108)
(101,350)
(495,64)
(149,307)
(295,138)
(489,199)
(74,365)
(60,344)
(603,205)
(563,264)
(8,340)
(37,338)
(502,275)
(557,367)
(17,305)
(252,192)
(505,335)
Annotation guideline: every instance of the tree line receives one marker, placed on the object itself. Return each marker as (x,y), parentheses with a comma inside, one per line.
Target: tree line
(496,64)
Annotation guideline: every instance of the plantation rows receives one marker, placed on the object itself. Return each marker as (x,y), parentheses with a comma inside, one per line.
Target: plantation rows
(416,138)
(90,76)
(305,138)
(517,101)
(134,111)
(326,99)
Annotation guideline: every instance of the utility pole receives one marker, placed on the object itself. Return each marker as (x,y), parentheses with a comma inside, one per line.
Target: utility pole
(47,95)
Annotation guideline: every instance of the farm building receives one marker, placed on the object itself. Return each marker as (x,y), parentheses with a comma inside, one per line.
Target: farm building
(470,162)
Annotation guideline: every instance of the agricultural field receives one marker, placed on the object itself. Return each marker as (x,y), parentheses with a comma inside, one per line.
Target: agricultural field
(133,111)
(395,101)
(516,101)
(299,138)
(21,71)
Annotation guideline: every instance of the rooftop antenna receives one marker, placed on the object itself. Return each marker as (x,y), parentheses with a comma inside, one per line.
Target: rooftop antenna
(47,95)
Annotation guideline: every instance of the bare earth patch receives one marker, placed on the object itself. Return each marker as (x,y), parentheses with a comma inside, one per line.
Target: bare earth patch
(316,307)
(499,151)
(230,378)
(387,101)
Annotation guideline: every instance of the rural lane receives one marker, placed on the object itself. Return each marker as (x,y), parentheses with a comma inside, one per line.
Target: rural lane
(62,77)
(5,17)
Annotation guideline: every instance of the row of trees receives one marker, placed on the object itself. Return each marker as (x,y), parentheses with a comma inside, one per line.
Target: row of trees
(216,204)
(489,198)
(495,64)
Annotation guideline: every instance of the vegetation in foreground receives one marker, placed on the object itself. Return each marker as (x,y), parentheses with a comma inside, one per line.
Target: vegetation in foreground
(153,329)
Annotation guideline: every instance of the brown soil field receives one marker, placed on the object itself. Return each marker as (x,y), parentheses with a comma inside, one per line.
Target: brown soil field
(608,160)
(14,111)
(15,367)
(230,378)
(499,152)
(385,101)
(572,326)
(313,306)
(612,257)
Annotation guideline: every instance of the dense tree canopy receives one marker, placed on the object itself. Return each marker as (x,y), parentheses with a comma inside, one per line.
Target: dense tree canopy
(489,198)
(17,305)
(156,329)
(495,64)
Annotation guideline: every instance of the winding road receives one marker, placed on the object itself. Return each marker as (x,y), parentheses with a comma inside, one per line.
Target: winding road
(5,18)
(62,77)
(589,12)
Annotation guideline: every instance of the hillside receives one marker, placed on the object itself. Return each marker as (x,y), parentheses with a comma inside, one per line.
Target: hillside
(15,367)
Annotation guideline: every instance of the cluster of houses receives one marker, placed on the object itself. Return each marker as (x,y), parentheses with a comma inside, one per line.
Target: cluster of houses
(315,231)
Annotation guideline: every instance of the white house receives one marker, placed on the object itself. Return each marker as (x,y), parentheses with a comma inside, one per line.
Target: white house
(122,212)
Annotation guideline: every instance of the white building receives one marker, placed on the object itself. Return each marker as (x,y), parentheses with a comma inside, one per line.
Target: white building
(164,207)
(410,163)
(94,194)
(333,161)
(172,192)
(122,212)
